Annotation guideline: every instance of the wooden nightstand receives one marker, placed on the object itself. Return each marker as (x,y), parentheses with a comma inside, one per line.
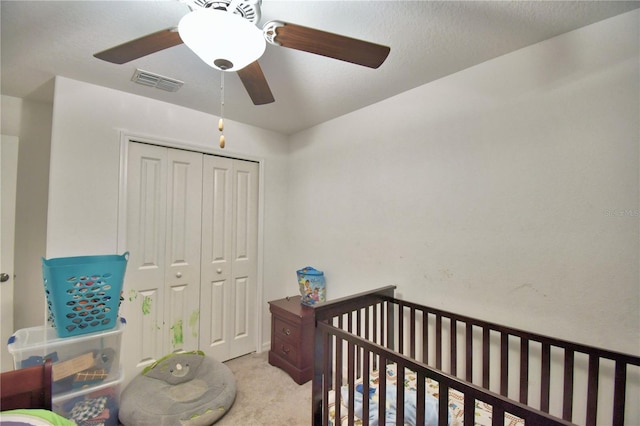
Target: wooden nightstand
(292,331)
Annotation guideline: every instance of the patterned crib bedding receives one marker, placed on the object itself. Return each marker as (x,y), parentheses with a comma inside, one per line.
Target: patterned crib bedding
(482,413)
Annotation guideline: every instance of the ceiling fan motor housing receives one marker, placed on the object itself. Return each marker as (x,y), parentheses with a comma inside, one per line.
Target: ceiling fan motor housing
(248,9)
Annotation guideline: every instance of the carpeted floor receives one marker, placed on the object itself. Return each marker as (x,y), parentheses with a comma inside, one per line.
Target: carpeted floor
(266,395)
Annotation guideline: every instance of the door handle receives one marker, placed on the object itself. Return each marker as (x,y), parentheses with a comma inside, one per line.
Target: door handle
(4,277)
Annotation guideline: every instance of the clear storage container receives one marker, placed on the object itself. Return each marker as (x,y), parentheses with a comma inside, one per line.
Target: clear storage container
(96,405)
(78,362)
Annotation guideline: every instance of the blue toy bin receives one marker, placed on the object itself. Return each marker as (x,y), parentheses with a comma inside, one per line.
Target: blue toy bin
(83,292)
(312,286)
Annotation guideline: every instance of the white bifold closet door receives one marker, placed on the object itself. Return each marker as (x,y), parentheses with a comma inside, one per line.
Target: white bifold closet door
(192,271)
(229,265)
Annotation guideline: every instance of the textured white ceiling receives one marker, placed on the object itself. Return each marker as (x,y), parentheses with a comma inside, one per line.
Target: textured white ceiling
(428,40)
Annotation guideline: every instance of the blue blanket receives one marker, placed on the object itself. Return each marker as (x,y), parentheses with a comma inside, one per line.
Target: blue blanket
(410,405)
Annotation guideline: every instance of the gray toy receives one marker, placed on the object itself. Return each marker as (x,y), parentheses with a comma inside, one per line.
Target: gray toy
(185,388)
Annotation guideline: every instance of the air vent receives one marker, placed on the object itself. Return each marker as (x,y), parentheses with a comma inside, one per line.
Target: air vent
(154,80)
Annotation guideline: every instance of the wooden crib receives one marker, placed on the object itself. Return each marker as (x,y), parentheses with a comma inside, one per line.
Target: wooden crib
(478,372)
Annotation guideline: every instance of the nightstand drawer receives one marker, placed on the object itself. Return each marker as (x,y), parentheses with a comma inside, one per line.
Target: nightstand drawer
(286,330)
(286,350)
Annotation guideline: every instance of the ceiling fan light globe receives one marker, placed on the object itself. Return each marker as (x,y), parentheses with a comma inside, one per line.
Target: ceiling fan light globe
(220,37)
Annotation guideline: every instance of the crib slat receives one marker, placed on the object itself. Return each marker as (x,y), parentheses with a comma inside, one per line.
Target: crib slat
(382,388)
(443,404)
(400,328)
(567,393)
(359,333)
(469,411)
(438,341)
(545,379)
(485,357)
(504,364)
(382,325)
(374,329)
(367,316)
(365,388)
(454,346)
(420,396)
(327,356)
(374,324)
(524,370)
(469,351)
(390,341)
(619,392)
(351,381)
(400,394)
(497,416)
(425,337)
(592,389)
(412,333)
(338,376)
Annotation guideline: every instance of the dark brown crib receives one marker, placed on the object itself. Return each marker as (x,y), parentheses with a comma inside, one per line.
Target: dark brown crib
(539,379)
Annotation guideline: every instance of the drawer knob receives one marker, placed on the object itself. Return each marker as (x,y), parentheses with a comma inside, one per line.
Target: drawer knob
(286,331)
(285,350)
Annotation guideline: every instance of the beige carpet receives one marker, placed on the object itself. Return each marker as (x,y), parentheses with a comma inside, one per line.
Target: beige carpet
(266,395)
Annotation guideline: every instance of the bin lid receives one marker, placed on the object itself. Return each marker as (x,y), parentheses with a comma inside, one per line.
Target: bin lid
(31,337)
(308,270)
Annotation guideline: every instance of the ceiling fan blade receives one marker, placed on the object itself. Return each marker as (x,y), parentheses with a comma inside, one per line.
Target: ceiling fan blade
(256,84)
(142,46)
(331,45)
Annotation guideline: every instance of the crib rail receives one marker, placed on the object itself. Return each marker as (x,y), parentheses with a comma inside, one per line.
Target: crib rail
(529,343)
(510,369)
(336,338)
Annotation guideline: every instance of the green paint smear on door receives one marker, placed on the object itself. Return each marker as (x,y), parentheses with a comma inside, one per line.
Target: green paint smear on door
(193,322)
(146,305)
(176,330)
(132,295)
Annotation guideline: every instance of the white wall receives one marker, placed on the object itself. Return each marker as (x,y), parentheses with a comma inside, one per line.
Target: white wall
(85,157)
(508,191)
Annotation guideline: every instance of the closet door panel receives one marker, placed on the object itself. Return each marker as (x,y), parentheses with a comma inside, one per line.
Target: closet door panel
(245,266)
(182,279)
(144,280)
(241,313)
(216,218)
(216,303)
(213,319)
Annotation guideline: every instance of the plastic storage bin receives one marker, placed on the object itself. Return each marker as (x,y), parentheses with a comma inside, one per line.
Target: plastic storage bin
(97,405)
(78,362)
(83,292)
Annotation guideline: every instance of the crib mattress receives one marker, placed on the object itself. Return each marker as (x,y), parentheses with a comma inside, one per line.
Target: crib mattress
(483,412)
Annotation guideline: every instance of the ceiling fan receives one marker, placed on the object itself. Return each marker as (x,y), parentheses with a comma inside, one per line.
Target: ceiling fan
(224,34)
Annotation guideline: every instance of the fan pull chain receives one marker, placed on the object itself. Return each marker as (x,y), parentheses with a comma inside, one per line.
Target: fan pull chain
(221,121)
